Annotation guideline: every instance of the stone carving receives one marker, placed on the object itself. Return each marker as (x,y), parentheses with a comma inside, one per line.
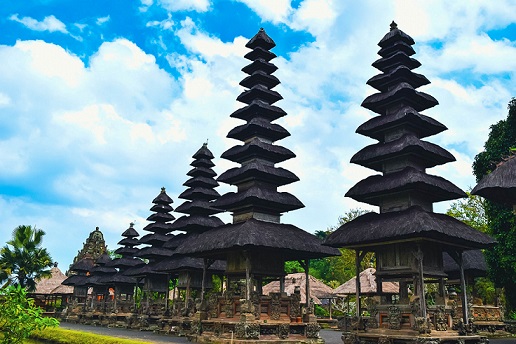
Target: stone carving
(422,340)
(421,325)
(349,338)
(312,330)
(245,330)
(217,328)
(255,300)
(372,307)
(212,307)
(283,331)
(394,318)
(275,306)
(196,327)
(384,340)
(441,319)
(295,305)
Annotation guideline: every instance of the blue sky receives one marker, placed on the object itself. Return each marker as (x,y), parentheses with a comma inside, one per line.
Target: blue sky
(104,102)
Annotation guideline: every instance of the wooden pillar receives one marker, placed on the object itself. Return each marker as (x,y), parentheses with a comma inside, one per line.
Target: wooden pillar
(247,277)
(307,284)
(166,293)
(357,282)
(282,284)
(465,312)
(204,268)
(421,281)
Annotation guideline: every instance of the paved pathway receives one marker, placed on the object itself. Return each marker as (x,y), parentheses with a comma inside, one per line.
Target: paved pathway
(330,336)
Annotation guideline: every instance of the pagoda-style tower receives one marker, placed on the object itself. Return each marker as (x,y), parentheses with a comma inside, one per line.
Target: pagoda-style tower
(193,273)
(407,238)
(93,247)
(160,228)
(256,245)
(101,290)
(124,285)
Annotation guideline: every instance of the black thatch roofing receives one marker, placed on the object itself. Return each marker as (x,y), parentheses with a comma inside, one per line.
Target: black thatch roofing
(413,223)
(103,259)
(128,242)
(261,40)
(199,207)
(84,264)
(203,153)
(201,181)
(395,35)
(403,93)
(130,232)
(259,108)
(399,58)
(177,264)
(395,47)
(260,53)
(174,242)
(285,241)
(143,271)
(257,170)
(157,227)
(258,127)
(473,262)
(154,238)
(153,252)
(421,125)
(125,262)
(195,223)
(499,185)
(161,208)
(257,148)
(201,171)
(199,193)
(204,162)
(75,280)
(259,65)
(429,154)
(260,78)
(161,217)
(402,73)
(126,251)
(266,199)
(162,198)
(117,279)
(260,92)
(435,188)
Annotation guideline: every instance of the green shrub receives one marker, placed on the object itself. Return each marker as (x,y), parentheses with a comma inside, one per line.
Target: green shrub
(19,316)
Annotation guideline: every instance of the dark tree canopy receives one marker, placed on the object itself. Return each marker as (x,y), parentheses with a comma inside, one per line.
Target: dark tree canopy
(501,220)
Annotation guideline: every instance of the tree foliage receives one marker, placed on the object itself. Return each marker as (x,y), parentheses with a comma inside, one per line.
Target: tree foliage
(23,260)
(501,220)
(471,211)
(19,316)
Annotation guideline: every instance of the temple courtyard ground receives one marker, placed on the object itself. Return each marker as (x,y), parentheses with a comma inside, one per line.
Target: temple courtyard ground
(330,336)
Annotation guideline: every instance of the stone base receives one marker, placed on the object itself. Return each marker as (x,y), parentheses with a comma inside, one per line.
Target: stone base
(386,336)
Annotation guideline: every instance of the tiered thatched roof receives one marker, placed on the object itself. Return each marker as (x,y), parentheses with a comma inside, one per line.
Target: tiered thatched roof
(52,284)
(474,264)
(404,191)
(258,205)
(318,290)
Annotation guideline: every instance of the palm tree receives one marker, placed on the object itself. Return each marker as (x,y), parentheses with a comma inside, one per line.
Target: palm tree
(23,260)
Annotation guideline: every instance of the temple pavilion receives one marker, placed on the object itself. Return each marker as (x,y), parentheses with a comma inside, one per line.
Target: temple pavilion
(407,237)
(500,185)
(257,245)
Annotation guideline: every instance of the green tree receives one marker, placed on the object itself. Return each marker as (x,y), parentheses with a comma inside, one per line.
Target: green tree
(19,316)
(337,270)
(26,260)
(501,220)
(471,211)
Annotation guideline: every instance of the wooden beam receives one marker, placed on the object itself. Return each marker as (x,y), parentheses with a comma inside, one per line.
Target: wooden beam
(358,259)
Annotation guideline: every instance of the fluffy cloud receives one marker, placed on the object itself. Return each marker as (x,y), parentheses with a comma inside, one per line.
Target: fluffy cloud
(179,5)
(49,23)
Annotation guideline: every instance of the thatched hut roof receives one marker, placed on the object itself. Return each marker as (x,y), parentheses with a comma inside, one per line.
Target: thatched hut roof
(367,285)
(47,285)
(499,185)
(414,222)
(473,261)
(318,290)
(177,264)
(288,241)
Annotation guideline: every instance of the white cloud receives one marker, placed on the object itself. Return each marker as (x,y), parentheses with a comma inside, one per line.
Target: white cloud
(182,5)
(102,20)
(49,23)
(275,11)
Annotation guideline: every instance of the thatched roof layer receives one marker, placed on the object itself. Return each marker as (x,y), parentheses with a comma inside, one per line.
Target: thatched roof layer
(260,53)
(258,171)
(421,125)
(201,171)
(75,280)
(259,198)
(201,181)
(397,46)
(199,193)
(399,58)
(428,154)
(259,65)
(259,92)
(474,264)
(260,78)
(499,185)
(368,285)
(204,162)
(161,217)
(178,264)
(286,241)
(256,148)
(374,188)
(259,108)
(84,264)
(200,207)
(130,232)
(47,285)
(261,40)
(196,222)
(410,224)
(403,93)
(128,242)
(318,289)
(395,35)
(402,73)
(258,127)
(154,238)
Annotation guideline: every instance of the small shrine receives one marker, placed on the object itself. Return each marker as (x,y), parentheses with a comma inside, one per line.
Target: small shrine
(257,245)
(93,247)
(407,237)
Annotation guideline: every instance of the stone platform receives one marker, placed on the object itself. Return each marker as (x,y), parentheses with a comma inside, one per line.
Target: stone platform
(386,336)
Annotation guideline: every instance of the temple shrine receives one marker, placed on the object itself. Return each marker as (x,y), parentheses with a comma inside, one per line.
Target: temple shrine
(407,237)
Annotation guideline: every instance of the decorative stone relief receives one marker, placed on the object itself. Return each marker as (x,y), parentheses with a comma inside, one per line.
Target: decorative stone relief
(295,305)
(275,306)
(312,330)
(384,340)
(441,319)
(283,331)
(349,338)
(247,330)
(394,318)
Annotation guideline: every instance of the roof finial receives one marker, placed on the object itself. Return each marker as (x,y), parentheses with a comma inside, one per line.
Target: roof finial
(205,144)
(394,26)
(162,189)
